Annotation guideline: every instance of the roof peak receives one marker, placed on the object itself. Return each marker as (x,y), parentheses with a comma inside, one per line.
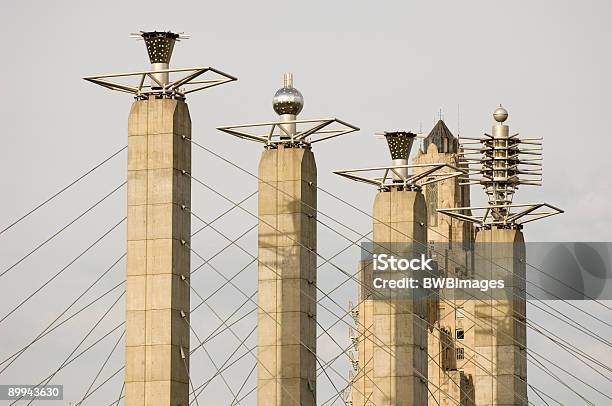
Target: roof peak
(442,137)
(440,126)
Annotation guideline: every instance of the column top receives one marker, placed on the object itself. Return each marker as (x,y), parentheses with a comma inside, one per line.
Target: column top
(166,82)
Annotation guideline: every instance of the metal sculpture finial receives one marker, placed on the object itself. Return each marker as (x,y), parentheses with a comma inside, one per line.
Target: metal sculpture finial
(401,175)
(288,102)
(500,114)
(500,163)
(289,131)
(400,145)
(160,45)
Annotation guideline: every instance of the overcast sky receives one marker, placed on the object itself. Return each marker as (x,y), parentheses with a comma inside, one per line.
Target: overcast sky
(378,65)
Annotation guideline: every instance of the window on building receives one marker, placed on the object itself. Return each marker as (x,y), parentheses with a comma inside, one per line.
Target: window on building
(431,193)
(459,312)
(431,249)
(460,353)
(459,334)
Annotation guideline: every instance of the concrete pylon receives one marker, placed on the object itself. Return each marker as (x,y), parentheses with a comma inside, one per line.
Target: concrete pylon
(159,223)
(500,331)
(399,328)
(500,164)
(392,325)
(286,320)
(158,257)
(286,341)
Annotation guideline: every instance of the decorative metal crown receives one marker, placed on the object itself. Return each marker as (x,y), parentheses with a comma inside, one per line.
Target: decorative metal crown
(501,163)
(400,174)
(400,143)
(159,45)
(164,81)
(289,131)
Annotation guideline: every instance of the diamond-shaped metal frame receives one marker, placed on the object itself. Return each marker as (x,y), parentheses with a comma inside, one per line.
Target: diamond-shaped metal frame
(312,131)
(177,88)
(390,176)
(527,212)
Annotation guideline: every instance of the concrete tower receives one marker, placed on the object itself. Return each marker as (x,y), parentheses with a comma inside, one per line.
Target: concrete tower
(287,274)
(450,243)
(501,164)
(286,324)
(158,231)
(392,332)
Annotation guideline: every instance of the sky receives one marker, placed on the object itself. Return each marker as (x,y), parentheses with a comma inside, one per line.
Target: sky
(378,65)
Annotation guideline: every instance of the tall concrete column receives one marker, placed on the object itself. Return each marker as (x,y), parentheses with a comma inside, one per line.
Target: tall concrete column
(159,226)
(286,325)
(400,328)
(158,260)
(500,331)
(501,164)
(393,333)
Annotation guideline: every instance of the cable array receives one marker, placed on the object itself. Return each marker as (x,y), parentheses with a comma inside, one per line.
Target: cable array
(238,167)
(242,312)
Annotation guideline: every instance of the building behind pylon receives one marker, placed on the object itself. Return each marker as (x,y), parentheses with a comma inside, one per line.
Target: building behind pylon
(450,373)
(391,334)
(479,343)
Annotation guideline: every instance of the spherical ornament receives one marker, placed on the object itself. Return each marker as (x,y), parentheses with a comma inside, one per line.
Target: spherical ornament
(500,114)
(288,100)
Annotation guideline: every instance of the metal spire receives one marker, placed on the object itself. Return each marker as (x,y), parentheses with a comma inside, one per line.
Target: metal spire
(501,162)
(289,131)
